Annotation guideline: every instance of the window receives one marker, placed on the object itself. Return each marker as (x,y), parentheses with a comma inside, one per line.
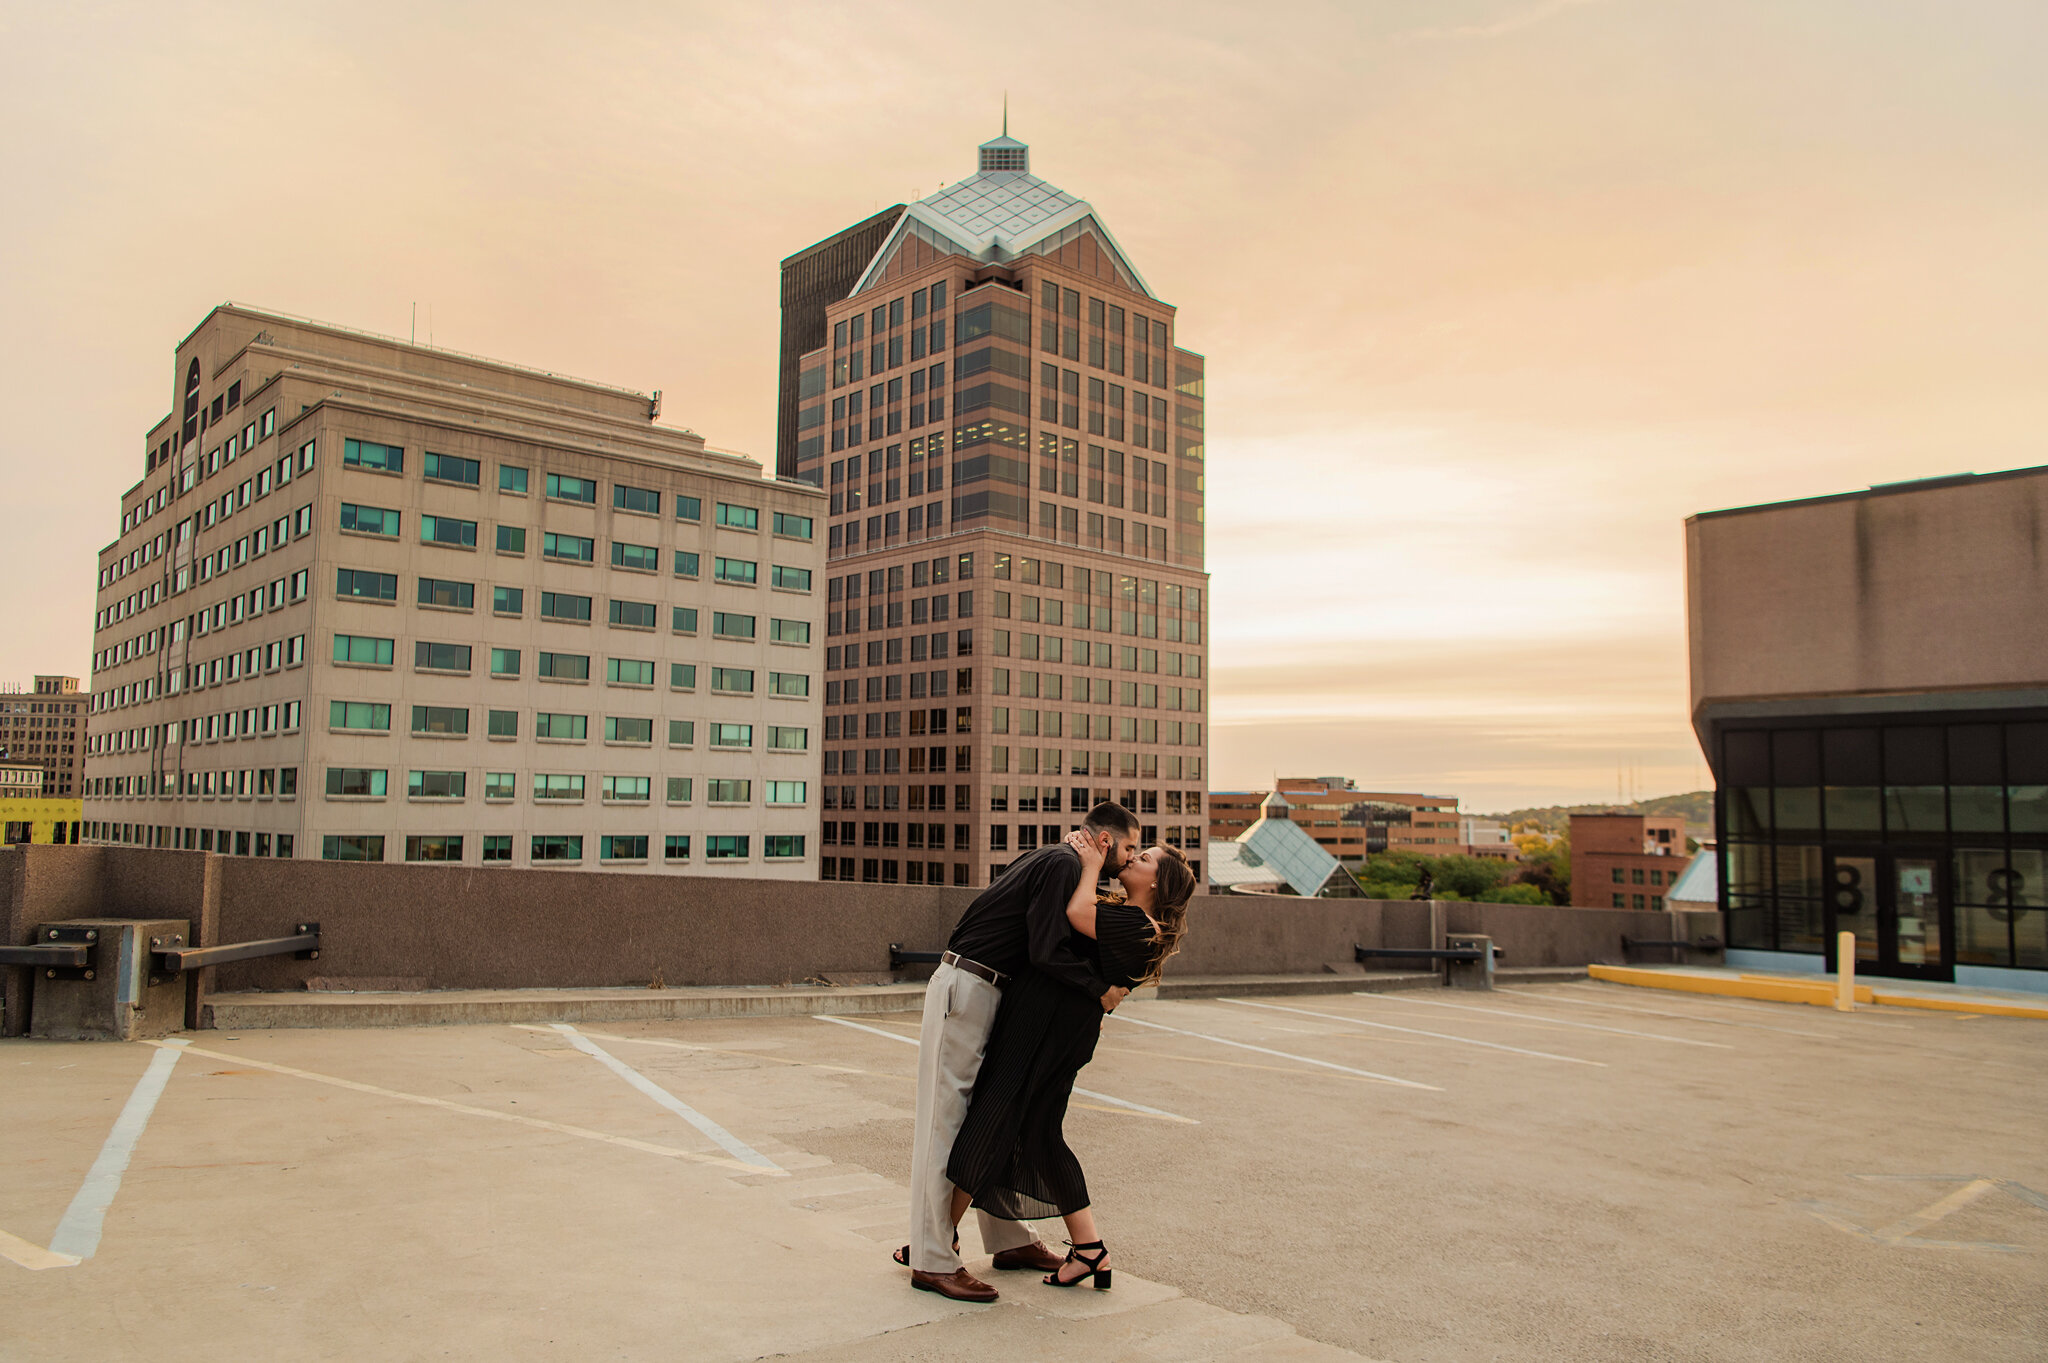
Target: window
(629,788)
(733,570)
(500,785)
(725,846)
(512,539)
(504,662)
(564,606)
(362,650)
(728,626)
(636,499)
(788,684)
(366,781)
(562,486)
(511,478)
(564,666)
(359,714)
(786,738)
(624,729)
(434,846)
(368,454)
(739,517)
(340,847)
(679,790)
(440,719)
(795,527)
(368,586)
(689,508)
(447,530)
(682,676)
(686,563)
(736,679)
(782,845)
(436,591)
(557,846)
(676,847)
(790,579)
(568,548)
(683,619)
(369,520)
(622,847)
(436,785)
(789,631)
(497,847)
(784,792)
(504,724)
(448,468)
(570,727)
(629,671)
(732,735)
(508,601)
(557,786)
(633,614)
(682,732)
(440,657)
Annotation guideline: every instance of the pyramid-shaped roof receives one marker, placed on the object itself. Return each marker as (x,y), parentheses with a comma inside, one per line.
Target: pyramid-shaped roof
(1000,212)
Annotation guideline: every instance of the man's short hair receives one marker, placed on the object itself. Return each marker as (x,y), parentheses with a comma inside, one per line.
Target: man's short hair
(1111,817)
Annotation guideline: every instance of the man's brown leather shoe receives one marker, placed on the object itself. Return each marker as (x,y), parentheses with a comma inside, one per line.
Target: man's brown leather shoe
(1033,1256)
(960,1285)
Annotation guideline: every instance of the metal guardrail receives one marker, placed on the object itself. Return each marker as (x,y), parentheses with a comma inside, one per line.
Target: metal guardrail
(64,953)
(1363,954)
(898,957)
(173,956)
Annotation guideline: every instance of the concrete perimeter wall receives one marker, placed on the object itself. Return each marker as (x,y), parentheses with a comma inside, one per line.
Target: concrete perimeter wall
(443,927)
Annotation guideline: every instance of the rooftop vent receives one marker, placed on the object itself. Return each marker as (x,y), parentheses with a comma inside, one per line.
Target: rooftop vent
(1005,153)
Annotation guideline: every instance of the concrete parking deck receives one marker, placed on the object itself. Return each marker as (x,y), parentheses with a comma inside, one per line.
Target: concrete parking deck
(1571,1171)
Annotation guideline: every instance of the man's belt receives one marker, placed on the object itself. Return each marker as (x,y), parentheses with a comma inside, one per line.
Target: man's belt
(959,962)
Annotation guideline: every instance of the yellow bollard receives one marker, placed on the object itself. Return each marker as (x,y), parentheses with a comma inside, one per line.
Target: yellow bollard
(1845,972)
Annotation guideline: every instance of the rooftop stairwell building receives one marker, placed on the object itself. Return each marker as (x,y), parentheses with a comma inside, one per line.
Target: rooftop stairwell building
(377,601)
(993,399)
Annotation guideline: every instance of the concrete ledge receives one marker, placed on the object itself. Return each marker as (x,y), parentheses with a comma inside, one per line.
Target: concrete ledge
(1818,992)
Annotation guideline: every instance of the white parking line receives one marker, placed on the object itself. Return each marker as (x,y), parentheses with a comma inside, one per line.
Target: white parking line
(1284,1055)
(78,1234)
(1546,1022)
(1660,1013)
(1086,1093)
(726,1141)
(1414,1031)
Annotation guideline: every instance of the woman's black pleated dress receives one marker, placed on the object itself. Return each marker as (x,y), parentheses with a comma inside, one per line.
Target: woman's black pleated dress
(1011,1153)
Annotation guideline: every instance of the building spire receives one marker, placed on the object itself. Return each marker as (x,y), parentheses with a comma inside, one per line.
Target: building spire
(1006,113)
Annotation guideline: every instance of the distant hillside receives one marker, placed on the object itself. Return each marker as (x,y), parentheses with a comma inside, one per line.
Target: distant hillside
(1697,806)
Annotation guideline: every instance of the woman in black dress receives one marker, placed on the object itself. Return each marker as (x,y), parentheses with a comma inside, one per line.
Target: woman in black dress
(1011,1157)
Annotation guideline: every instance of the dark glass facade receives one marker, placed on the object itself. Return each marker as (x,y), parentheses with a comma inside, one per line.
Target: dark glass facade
(1925,836)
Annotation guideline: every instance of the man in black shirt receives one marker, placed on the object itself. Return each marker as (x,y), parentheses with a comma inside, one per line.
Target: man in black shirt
(1017,924)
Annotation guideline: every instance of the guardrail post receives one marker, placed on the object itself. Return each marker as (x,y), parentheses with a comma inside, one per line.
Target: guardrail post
(1845,972)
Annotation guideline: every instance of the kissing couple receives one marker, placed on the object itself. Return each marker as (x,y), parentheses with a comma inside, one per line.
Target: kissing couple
(1010,1017)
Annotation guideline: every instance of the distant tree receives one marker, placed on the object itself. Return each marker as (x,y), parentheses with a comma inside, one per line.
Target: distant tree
(1521,892)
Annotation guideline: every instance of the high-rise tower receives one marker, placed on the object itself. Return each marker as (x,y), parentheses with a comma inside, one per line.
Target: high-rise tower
(1016,613)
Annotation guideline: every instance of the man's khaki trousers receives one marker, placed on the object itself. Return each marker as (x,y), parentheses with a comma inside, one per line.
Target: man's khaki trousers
(959,1010)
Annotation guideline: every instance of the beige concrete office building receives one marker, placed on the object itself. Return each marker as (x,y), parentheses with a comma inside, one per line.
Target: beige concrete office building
(377,601)
(1012,440)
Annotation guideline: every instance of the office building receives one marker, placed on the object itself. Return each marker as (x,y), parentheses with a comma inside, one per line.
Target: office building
(1349,823)
(45,728)
(1870,686)
(1011,439)
(1626,861)
(377,601)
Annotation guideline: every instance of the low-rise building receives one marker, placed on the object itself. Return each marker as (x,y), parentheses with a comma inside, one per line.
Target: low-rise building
(1276,855)
(1349,823)
(1625,861)
(28,813)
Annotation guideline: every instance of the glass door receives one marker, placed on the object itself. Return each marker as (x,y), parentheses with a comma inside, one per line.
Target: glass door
(1894,900)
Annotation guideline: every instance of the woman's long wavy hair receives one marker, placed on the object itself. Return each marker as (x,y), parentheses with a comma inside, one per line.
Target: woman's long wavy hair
(1172,885)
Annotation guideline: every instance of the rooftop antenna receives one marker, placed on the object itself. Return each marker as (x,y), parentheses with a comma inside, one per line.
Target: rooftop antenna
(415,340)
(1006,113)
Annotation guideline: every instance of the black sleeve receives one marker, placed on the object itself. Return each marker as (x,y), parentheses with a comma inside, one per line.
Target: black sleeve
(1046,928)
(1125,936)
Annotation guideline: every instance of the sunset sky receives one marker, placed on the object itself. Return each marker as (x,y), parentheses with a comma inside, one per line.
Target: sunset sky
(1494,293)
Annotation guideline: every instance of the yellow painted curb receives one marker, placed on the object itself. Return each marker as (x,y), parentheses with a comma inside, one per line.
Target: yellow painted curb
(1820,992)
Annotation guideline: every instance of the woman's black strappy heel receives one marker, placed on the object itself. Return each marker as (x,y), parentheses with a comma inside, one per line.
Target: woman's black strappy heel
(902,1256)
(1096,1273)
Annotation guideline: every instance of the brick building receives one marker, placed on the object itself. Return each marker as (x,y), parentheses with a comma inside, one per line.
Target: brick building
(1350,823)
(1625,861)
